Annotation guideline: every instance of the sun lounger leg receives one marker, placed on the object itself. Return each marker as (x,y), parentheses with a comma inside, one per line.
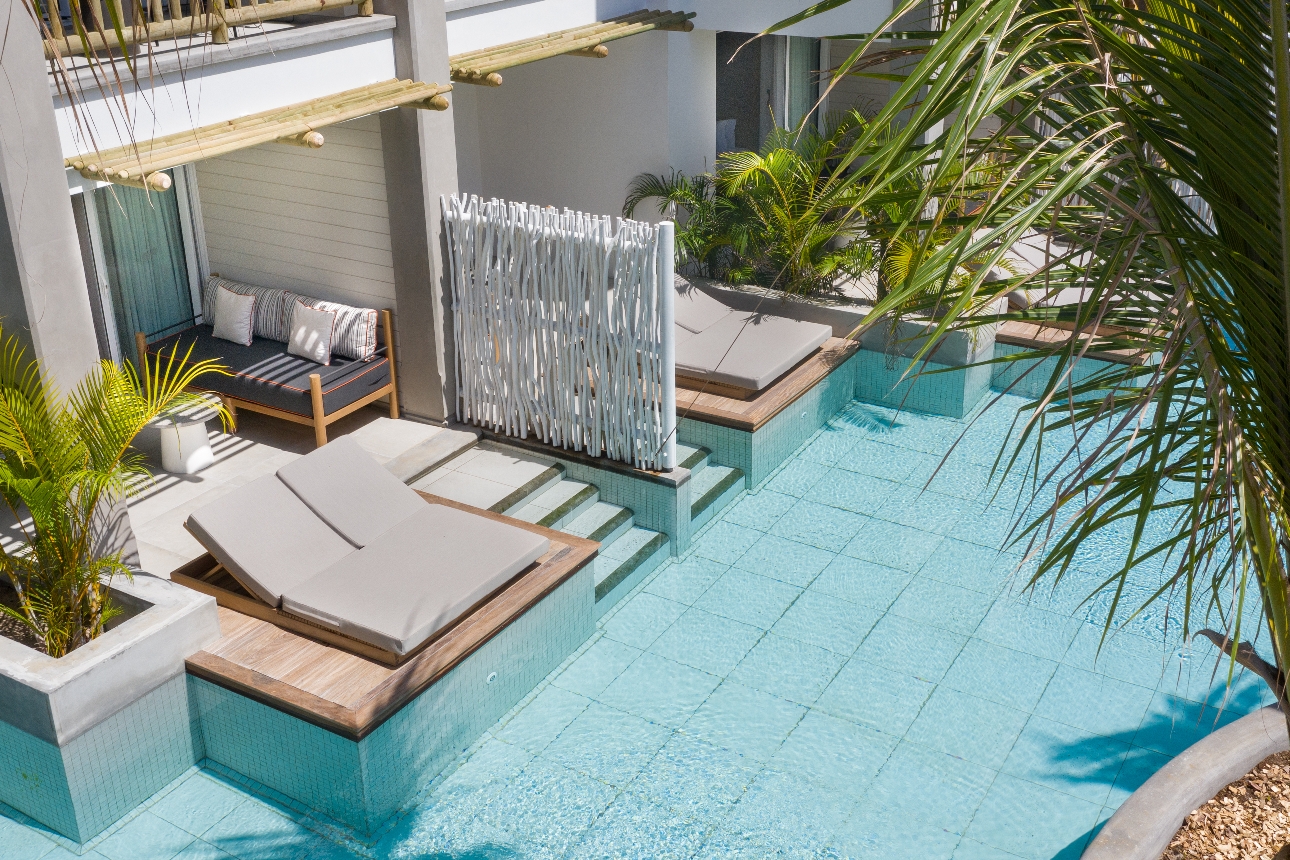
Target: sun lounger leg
(387,323)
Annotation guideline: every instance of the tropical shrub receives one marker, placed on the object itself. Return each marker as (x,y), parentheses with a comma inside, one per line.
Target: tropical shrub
(1145,143)
(65,464)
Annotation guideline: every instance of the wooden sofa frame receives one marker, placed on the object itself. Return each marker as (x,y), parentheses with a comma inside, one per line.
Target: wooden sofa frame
(320,419)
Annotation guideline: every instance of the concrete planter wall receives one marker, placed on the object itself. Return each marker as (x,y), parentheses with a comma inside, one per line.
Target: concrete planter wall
(87,737)
(1143,826)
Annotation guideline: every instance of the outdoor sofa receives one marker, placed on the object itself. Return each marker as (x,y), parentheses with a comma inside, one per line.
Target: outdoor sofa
(265,378)
(335,547)
(735,353)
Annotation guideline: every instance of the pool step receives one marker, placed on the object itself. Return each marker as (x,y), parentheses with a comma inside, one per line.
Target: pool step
(492,477)
(693,457)
(625,562)
(559,505)
(601,522)
(711,490)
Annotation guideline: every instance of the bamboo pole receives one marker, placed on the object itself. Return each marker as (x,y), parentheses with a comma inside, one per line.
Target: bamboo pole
(309,140)
(599,52)
(219,35)
(462,76)
(248,124)
(433,103)
(483,54)
(155,12)
(181,26)
(366,8)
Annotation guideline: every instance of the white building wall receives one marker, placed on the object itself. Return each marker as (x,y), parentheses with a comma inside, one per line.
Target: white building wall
(692,100)
(572,131)
(311,221)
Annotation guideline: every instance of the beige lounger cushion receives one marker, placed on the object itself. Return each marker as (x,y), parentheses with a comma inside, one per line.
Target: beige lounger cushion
(267,538)
(696,310)
(416,579)
(1045,299)
(350,491)
(751,355)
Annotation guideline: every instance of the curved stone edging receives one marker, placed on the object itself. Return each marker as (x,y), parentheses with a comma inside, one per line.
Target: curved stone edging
(1143,826)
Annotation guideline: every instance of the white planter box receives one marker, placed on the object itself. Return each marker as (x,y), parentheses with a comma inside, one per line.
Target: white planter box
(85,738)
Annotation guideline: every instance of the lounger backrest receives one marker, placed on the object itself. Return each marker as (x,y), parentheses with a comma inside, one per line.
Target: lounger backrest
(695,309)
(351,492)
(267,538)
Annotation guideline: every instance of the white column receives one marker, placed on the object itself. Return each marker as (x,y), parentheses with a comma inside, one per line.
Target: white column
(667,291)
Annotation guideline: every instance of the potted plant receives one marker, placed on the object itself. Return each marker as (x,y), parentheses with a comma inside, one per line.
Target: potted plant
(69,693)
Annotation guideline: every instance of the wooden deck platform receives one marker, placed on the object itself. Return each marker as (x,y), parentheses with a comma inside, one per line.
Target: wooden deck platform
(350,695)
(750,415)
(1036,336)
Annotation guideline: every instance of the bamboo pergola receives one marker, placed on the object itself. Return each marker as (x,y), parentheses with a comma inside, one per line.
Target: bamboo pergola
(483,66)
(164,20)
(141,164)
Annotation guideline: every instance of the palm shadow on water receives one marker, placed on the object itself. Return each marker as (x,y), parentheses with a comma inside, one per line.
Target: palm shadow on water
(1171,725)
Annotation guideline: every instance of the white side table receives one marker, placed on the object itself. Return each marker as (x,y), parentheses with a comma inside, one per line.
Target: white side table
(185,444)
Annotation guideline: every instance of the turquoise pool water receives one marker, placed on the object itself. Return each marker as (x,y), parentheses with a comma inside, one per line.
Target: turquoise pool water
(841,666)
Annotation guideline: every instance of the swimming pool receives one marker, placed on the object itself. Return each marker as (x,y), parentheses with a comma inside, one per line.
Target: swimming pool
(840,666)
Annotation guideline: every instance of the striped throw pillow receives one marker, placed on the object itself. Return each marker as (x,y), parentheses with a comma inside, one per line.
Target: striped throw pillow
(272,307)
(355,332)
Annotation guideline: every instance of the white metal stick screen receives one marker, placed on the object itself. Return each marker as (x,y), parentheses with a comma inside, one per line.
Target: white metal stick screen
(559,320)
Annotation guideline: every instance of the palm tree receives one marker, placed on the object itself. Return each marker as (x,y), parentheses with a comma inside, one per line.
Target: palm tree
(64,463)
(1141,138)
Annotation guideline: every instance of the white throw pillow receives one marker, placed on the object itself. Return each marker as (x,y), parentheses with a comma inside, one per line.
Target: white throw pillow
(311,333)
(234,316)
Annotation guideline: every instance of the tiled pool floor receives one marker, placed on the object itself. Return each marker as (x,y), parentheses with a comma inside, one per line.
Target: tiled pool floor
(840,667)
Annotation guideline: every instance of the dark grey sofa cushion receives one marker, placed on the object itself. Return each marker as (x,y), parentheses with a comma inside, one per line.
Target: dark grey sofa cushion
(748,350)
(267,538)
(264,373)
(351,492)
(416,579)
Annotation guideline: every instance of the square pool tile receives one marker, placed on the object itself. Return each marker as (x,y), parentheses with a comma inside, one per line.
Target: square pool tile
(642,619)
(875,697)
(876,832)
(255,831)
(973,729)
(747,721)
(1025,626)
(787,815)
(939,605)
(146,837)
(835,753)
(659,690)
(541,720)
(635,827)
(827,622)
(597,667)
(198,803)
(1095,703)
(1067,759)
(874,585)
(785,560)
(968,565)
(819,525)
(685,581)
(712,643)
(797,477)
(1003,821)
(1172,724)
(18,842)
(911,648)
(1002,675)
(788,668)
(549,805)
(759,510)
(695,778)
(724,542)
(893,545)
(748,597)
(607,744)
(849,491)
(949,788)
(1139,766)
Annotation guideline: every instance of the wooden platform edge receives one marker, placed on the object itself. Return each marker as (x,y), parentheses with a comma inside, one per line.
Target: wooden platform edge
(569,555)
(751,415)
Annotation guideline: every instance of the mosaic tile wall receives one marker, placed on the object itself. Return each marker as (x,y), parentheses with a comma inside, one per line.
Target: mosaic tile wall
(758,454)
(362,784)
(1029,377)
(951,391)
(82,788)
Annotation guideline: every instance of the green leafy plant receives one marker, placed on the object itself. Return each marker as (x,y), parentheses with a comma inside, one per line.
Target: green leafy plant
(65,464)
(1142,143)
(782,217)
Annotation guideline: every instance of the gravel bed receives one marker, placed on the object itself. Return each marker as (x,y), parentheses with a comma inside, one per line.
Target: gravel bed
(1249,820)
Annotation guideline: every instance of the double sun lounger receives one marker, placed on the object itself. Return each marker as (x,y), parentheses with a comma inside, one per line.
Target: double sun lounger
(735,353)
(335,542)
